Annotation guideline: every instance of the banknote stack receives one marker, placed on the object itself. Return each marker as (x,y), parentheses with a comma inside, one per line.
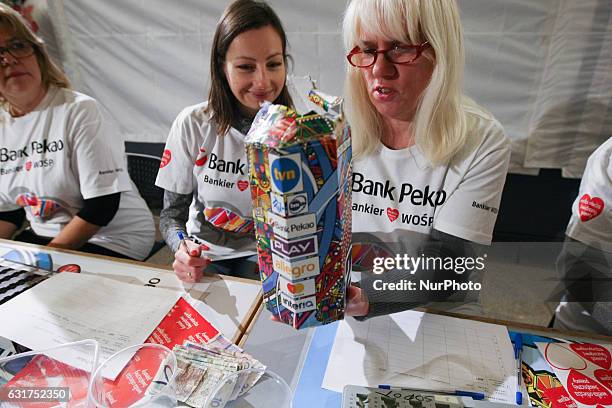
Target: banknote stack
(202,368)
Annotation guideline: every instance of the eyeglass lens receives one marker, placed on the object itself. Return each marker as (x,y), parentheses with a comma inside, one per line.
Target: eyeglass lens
(18,49)
(397,54)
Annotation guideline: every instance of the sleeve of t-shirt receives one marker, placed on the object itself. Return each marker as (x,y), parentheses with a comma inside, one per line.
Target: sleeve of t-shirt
(176,168)
(471,209)
(97,152)
(591,220)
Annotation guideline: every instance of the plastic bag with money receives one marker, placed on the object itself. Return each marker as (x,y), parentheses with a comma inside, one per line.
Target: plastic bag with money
(300,173)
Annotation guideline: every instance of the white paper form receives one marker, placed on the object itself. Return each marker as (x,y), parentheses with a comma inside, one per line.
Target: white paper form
(420,350)
(69,307)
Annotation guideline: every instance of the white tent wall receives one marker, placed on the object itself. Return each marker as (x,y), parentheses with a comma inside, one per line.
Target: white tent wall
(541,66)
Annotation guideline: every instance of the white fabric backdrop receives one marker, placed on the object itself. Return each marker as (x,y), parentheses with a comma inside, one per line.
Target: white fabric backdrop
(541,66)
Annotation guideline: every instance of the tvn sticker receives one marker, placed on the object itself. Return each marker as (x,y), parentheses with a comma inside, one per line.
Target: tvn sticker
(286,173)
(297,289)
(295,248)
(305,268)
(294,204)
(293,227)
(299,305)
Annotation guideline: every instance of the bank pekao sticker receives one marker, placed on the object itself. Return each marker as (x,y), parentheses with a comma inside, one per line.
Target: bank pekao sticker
(293,227)
(286,173)
(294,204)
(296,247)
(299,289)
(294,270)
(299,305)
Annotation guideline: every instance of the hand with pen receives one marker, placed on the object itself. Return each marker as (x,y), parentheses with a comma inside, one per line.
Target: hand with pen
(189,264)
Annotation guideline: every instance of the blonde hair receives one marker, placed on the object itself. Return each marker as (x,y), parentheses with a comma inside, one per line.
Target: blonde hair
(51,74)
(440,121)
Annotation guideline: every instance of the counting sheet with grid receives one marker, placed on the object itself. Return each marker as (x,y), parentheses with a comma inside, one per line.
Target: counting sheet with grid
(413,349)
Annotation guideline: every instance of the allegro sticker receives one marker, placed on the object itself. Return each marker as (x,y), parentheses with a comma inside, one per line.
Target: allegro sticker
(293,270)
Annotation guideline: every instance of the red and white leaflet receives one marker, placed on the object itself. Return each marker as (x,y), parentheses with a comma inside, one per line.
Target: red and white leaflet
(583,369)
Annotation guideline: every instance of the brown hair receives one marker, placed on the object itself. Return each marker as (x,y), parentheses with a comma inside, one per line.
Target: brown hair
(51,74)
(238,17)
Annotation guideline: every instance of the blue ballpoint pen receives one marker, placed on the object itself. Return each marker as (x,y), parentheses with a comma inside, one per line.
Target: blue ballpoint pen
(458,393)
(518,355)
(181,236)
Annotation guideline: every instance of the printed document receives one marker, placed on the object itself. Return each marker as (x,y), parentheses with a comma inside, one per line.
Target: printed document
(69,307)
(421,350)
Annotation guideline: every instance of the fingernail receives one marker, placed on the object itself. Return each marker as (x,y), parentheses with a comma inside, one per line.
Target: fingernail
(194,253)
(204,247)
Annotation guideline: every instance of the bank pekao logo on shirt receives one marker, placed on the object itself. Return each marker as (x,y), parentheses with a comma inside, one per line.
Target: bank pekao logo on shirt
(242,185)
(29,150)
(28,165)
(202,157)
(426,196)
(166,157)
(392,213)
(226,166)
(590,208)
(286,173)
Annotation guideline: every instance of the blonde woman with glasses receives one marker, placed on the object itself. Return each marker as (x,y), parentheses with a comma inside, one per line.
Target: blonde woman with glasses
(430,164)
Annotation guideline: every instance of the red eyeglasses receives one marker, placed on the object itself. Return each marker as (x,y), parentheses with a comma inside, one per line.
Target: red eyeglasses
(398,54)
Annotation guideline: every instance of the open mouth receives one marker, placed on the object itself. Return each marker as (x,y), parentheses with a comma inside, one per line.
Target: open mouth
(382,90)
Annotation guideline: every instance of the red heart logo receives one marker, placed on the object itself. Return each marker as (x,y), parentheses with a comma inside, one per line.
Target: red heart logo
(392,213)
(242,185)
(594,353)
(590,208)
(587,391)
(201,160)
(167,156)
(28,165)
(604,377)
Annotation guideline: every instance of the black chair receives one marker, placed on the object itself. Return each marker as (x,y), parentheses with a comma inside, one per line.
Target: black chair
(143,163)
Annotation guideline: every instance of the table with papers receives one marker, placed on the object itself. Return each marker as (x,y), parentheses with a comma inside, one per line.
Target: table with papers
(306,361)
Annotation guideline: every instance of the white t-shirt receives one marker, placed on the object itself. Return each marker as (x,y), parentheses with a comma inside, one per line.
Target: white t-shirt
(214,168)
(61,153)
(591,224)
(591,221)
(395,191)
